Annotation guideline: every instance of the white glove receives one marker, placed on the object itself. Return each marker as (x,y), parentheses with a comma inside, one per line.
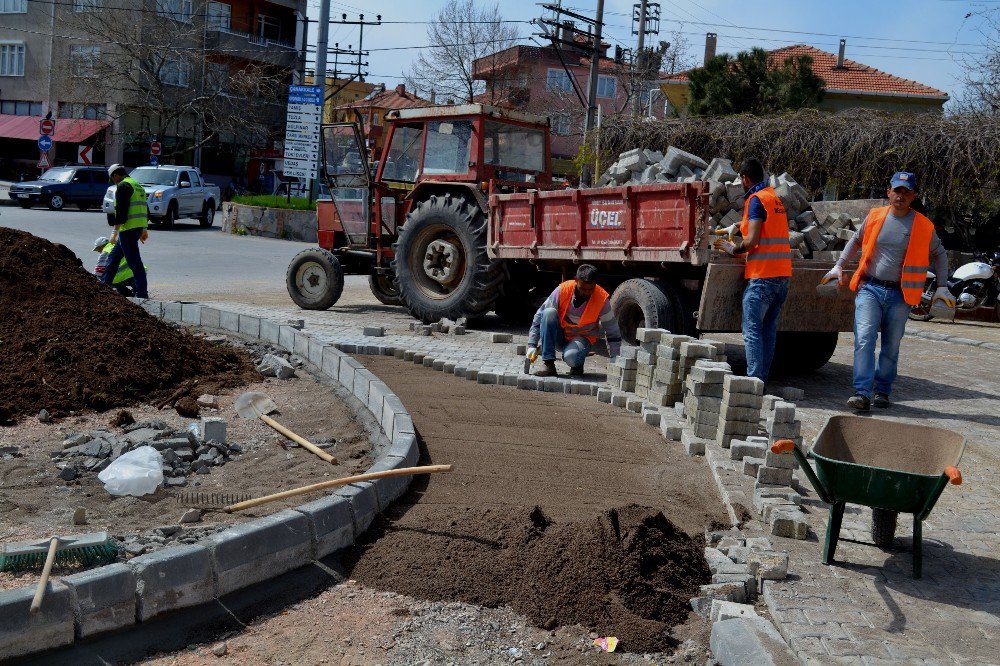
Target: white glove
(727,231)
(836,273)
(532,354)
(726,246)
(944,294)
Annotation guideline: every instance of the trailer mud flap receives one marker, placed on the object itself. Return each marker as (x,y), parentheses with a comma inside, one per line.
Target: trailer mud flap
(721,307)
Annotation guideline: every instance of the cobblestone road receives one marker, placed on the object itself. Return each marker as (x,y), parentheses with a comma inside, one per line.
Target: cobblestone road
(866,608)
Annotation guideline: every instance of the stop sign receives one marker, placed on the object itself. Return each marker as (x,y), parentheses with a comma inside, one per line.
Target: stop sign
(154,148)
(47,127)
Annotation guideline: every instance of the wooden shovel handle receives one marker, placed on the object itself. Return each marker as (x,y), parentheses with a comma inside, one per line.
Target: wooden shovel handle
(324,485)
(36,602)
(302,441)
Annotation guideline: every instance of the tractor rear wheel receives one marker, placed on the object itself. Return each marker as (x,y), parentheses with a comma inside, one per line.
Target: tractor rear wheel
(441,265)
(315,279)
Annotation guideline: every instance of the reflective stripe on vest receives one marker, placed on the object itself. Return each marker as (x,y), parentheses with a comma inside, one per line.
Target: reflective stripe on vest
(589,323)
(138,211)
(916,261)
(773,255)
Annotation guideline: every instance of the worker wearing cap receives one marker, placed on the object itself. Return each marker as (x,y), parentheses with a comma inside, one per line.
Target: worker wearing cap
(896,244)
(124,279)
(768,269)
(570,319)
(130,220)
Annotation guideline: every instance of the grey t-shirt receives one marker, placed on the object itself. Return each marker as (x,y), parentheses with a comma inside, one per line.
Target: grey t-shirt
(890,249)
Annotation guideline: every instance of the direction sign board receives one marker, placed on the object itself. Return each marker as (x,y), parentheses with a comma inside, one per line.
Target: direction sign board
(303,90)
(85,155)
(47,126)
(299,173)
(45,142)
(155,147)
(302,124)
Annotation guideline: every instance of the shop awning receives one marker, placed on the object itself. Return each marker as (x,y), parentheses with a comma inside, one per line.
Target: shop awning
(68,130)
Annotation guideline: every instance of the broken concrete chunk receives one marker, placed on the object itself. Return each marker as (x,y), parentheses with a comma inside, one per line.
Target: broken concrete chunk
(275,366)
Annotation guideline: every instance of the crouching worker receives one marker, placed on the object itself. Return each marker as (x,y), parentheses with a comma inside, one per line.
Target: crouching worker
(124,280)
(570,319)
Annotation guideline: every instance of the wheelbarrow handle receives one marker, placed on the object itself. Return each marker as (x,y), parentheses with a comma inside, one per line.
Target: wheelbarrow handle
(954,475)
(786,445)
(783,446)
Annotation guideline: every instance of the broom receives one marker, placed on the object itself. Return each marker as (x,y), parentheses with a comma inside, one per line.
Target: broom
(85,549)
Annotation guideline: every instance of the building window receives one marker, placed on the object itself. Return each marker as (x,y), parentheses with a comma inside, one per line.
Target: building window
(87,5)
(175,72)
(81,110)
(13,6)
(561,124)
(13,107)
(607,86)
(558,81)
(220,16)
(218,77)
(12,59)
(179,10)
(84,59)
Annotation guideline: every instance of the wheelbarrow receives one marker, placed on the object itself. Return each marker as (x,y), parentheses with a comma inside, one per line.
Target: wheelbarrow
(889,466)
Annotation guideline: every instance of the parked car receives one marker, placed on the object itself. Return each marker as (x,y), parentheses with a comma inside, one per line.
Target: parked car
(80,185)
(172,193)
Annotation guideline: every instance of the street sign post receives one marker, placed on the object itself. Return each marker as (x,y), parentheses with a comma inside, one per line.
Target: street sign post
(302,126)
(45,143)
(47,127)
(85,155)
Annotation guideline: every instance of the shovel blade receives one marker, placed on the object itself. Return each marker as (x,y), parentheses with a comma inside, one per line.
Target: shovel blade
(252,405)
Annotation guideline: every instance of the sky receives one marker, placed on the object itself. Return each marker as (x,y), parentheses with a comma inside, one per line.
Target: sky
(928,41)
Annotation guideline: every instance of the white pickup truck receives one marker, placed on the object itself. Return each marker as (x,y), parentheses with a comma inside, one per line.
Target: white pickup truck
(173,192)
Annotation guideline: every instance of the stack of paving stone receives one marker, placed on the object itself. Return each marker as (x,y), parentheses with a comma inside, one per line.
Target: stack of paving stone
(782,424)
(739,413)
(623,370)
(647,357)
(703,388)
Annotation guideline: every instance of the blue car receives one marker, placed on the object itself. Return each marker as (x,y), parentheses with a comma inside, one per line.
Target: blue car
(81,185)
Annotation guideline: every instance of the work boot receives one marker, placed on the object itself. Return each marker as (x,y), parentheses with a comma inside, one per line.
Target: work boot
(881,400)
(548,369)
(859,402)
(576,371)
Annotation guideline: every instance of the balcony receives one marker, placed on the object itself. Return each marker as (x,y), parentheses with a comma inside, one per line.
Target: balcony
(250,47)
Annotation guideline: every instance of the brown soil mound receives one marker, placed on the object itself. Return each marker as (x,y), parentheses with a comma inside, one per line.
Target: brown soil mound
(628,573)
(70,343)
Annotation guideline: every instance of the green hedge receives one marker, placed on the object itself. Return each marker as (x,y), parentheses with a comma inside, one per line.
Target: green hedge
(275,201)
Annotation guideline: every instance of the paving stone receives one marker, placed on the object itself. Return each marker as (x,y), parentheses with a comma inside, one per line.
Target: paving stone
(792,394)
(671,430)
(604,395)
(741,449)
(772,459)
(693,445)
(619,398)
(634,404)
(751,385)
(732,591)
(727,610)
(741,400)
(746,414)
(775,476)
(784,430)
(528,382)
(768,565)
(501,337)
(749,640)
(373,331)
(790,524)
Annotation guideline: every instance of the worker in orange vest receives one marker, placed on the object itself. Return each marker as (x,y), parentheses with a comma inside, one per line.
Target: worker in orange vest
(896,244)
(570,319)
(768,269)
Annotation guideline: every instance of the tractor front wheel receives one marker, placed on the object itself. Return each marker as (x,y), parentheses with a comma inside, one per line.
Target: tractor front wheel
(315,279)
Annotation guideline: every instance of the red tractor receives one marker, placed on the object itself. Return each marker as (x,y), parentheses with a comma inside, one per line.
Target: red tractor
(418,225)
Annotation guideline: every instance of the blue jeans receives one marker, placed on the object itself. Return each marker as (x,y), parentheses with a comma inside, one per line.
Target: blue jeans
(128,244)
(877,310)
(762,301)
(551,338)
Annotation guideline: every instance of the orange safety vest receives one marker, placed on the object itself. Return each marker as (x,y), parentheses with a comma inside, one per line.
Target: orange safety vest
(589,323)
(773,255)
(916,262)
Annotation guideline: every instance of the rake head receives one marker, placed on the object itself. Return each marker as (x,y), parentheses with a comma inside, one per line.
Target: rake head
(211,500)
(85,550)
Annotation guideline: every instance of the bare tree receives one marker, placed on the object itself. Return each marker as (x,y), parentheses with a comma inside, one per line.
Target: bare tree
(462,32)
(981,73)
(677,56)
(156,60)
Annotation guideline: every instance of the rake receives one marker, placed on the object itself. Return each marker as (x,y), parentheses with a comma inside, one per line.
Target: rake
(84,549)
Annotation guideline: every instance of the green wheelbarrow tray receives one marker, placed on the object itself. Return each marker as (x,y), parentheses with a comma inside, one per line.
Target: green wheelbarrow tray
(889,466)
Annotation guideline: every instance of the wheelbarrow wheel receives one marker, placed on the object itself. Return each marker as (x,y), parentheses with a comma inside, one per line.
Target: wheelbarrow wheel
(883,527)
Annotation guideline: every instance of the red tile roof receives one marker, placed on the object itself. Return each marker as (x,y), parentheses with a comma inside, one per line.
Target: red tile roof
(854,77)
(396,98)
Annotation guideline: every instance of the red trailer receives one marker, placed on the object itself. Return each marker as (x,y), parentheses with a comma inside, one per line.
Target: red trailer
(460,217)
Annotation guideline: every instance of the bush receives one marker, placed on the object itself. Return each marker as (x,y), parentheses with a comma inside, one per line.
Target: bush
(275,201)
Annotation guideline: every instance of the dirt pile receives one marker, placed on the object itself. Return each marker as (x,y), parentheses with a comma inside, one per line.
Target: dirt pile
(628,572)
(70,343)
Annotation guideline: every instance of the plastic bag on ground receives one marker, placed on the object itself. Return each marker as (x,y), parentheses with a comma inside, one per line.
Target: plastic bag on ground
(136,473)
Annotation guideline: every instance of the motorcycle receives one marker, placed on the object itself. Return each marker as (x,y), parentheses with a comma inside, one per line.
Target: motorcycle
(974,285)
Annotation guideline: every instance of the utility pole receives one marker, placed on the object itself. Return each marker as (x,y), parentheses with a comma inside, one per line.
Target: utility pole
(595,67)
(319,79)
(361,23)
(640,59)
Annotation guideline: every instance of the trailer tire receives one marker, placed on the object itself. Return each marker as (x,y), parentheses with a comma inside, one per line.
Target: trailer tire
(683,322)
(799,353)
(315,279)
(441,265)
(883,527)
(384,289)
(639,303)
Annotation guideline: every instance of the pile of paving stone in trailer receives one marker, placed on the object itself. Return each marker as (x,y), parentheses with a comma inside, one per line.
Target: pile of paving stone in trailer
(184,452)
(810,236)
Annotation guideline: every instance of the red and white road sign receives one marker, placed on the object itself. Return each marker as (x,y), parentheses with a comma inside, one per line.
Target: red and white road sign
(154,148)
(85,155)
(47,127)
(43,161)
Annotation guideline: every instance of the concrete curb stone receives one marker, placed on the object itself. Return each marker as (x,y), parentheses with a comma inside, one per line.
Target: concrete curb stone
(174,578)
(103,598)
(22,632)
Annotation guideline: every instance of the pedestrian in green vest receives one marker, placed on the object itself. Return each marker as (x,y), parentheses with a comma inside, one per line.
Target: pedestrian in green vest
(130,220)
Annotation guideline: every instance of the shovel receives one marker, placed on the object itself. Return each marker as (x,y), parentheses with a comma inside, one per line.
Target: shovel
(253,405)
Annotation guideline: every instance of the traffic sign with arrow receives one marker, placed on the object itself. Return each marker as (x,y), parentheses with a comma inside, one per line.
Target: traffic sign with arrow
(45,142)
(85,155)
